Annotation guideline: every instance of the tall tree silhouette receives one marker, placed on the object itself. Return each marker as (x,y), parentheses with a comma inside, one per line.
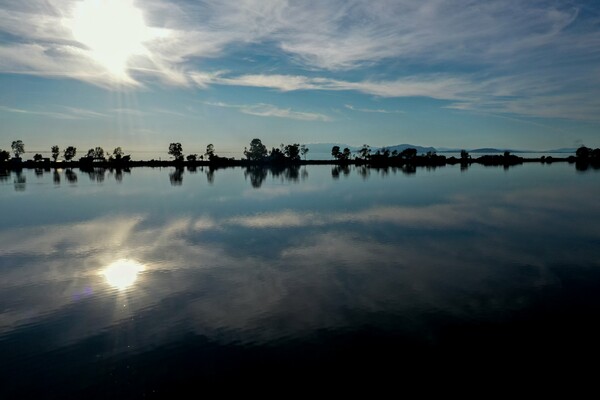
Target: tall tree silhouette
(69,153)
(210,151)
(335,152)
(303,151)
(55,152)
(18,148)
(176,151)
(257,151)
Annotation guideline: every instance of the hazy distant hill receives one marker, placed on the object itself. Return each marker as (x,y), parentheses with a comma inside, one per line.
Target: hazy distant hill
(562,150)
(491,150)
(401,147)
(326,147)
(319,148)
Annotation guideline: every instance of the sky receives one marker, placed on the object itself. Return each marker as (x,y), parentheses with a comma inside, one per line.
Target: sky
(452,73)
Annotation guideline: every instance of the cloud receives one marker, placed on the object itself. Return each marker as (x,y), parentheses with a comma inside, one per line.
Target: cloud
(370,110)
(268,110)
(129,111)
(71,113)
(83,113)
(528,58)
(436,86)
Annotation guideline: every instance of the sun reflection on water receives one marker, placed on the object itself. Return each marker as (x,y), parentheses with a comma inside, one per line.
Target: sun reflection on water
(123,273)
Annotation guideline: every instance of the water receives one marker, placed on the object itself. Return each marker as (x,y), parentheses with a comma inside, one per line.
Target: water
(146,282)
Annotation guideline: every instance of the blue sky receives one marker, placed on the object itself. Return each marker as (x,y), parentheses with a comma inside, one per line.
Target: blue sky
(454,73)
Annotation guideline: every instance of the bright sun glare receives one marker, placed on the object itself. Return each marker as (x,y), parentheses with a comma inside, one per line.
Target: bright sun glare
(113,31)
(123,273)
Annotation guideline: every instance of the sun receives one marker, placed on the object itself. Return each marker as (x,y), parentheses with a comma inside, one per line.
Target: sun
(112,30)
(123,273)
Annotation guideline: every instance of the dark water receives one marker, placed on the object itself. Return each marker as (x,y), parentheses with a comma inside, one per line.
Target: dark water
(150,282)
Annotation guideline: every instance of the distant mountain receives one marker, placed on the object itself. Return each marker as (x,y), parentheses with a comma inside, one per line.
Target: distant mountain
(494,150)
(401,147)
(489,150)
(562,150)
(326,147)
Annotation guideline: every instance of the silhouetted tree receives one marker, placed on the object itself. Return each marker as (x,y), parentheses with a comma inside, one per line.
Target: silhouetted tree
(192,157)
(408,154)
(464,155)
(303,151)
(117,154)
(292,151)
(96,153)
(276,155)
(506,154)
(335,152)
(176,151)
(365,151)
(4,155)
(583,152)
(37,157)
(69,153)
(55,152)
(18,148)
(345,155)
(210,151)
(257,150)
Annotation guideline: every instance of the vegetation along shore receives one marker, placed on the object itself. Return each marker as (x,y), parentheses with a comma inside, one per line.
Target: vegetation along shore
(257,154)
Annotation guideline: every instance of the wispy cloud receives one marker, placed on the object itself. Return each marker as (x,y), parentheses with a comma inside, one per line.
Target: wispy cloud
(129,111)
(83,113)
(71,113)
(371,110)
(437,86)
(268,110)
(168,112)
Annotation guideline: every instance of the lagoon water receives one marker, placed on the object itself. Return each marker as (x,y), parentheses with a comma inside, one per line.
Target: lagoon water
(142,283)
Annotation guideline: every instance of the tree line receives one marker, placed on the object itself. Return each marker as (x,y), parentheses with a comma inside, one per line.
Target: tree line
(257,152)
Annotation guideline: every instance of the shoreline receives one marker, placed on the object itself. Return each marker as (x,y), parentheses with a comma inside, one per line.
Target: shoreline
(435,160)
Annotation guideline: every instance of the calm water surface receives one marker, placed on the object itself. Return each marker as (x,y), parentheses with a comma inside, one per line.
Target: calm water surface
(141,283)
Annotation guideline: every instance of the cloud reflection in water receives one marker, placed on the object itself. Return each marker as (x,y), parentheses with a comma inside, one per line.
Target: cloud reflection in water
(255,277)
